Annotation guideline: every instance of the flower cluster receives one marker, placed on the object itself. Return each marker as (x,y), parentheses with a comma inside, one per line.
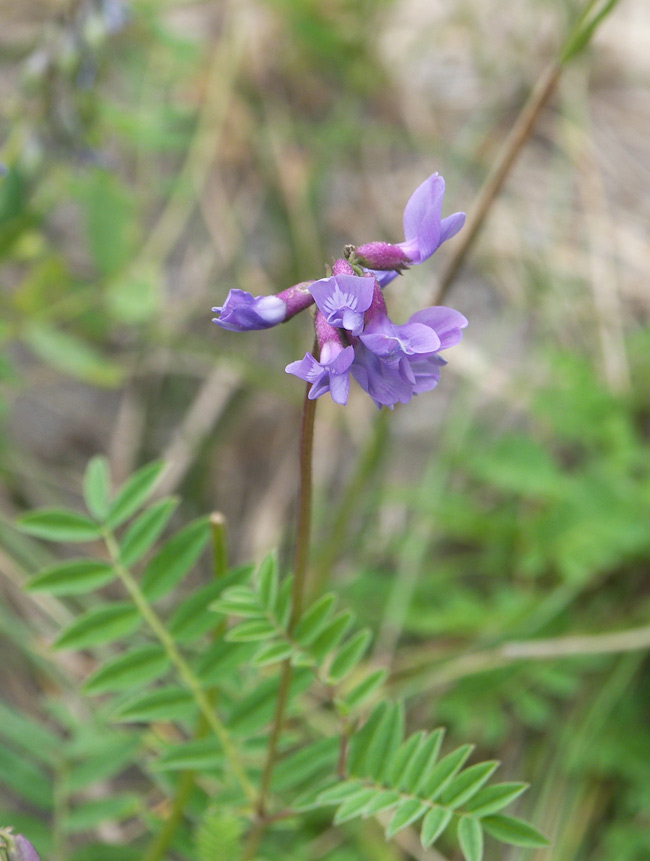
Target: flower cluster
(354,333)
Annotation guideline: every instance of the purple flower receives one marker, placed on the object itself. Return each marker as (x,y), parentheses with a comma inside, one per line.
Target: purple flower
(391,342)
(243,312)
(424,228)
(387,383)
(393,363)
(343,299)
(331,373)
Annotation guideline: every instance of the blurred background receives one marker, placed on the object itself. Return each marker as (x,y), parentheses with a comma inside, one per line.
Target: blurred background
(162,153)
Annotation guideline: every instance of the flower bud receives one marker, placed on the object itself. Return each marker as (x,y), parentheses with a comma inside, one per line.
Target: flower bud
(15,847)
(382,256)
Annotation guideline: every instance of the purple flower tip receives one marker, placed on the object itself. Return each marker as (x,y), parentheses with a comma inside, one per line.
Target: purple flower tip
(15,847)
(242,312)
(424,229)
(24,850)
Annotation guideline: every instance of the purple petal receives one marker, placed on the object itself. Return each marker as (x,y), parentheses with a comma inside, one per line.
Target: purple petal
(446,323)
(417,338)
(383,278)
(387,384)
(426,373)
(450,226)
(340,388)
(342,299)
(243,312)
(422,216)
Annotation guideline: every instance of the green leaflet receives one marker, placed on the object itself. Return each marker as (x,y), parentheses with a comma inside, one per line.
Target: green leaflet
(445,770)
(465,785)
(407,812)
(170,703)
(306,764)
(73,578)
(28,780)
(176,557)
(508,829)
(267,582)
(102,624)
(59,524)
(218,837)
(492,798)
(134,493)
(314,619)
(144,531)
(434,823)
(349,655)
(90,814)
(96,487)
(202,754)
(470,837)
(365,689)
(135,667)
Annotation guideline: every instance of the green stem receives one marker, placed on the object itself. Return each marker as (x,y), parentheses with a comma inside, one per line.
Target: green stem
(301,560)
(184,670)
(219,544)
(187,779)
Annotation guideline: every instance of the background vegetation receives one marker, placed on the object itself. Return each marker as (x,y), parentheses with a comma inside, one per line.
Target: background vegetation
(160,153)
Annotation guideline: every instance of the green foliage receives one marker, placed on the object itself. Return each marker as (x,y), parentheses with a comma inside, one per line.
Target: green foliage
(405,776)
(320,638)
